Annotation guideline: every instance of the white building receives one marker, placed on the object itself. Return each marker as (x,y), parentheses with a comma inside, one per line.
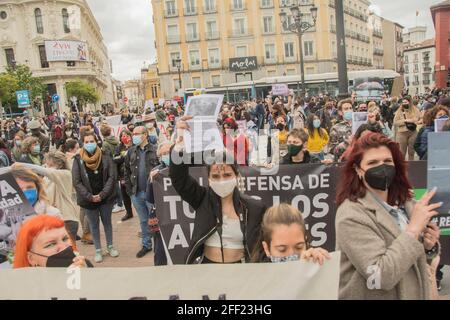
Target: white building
(25,25)
(132,91)
(419,60)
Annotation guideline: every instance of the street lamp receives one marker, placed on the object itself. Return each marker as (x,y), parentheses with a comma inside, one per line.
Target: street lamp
(300,26)
(178,66)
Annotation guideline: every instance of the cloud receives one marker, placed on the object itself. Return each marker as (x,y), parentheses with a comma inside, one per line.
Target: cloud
(127,29)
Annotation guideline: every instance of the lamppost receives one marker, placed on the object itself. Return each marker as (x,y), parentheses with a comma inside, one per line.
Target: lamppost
(178,65)
(300,26)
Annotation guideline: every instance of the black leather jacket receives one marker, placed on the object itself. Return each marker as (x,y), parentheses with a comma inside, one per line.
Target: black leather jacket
(208,218)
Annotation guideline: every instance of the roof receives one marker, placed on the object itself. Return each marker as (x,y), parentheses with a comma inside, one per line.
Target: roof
(436,7)
(424,44)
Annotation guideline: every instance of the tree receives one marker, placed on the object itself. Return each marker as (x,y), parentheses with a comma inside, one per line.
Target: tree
(16,78)
(84,92)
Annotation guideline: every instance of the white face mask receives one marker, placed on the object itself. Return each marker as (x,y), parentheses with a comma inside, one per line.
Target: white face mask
(223,188)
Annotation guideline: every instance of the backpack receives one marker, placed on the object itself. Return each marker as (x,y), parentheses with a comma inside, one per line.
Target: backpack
(4,161)
(57,132)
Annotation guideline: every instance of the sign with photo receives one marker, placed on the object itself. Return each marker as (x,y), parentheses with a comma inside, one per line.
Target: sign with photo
(66,51)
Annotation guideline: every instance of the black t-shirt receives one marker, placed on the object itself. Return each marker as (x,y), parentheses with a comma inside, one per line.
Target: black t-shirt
(96,179)
(287,159)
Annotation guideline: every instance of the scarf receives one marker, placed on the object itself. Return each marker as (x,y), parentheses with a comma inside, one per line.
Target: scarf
(35,159)
(92,162)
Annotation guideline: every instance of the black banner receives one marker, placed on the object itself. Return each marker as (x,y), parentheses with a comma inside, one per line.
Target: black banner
(14,209)
(243,64)
(310,188)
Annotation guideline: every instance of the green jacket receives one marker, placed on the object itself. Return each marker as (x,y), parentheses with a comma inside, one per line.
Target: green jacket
(109,145)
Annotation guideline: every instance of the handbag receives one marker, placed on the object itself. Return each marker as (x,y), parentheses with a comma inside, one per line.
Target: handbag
(409,125)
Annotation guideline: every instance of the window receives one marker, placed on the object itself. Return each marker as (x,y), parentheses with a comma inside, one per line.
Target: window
(211,30)
(65,16)
(238,4)
(215,81)
(308,45)
(3,15)
(268,24)
(43,57)
(270,51)
(406,59)
(289,50)
(239,26)
(266,3)
(172,34)
(416,57)
(173,57)
(189,7)
(406,69)
(192,31)
(10,60)
(416,79)
(210,5)
(38,18)
(171,9)
(214,57)
(71,63)
(194,58)
(196,82)
(241,51)
(154,91)
(416,68)
(287,23)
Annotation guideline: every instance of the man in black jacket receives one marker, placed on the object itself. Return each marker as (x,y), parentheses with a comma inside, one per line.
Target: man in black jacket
(139,162)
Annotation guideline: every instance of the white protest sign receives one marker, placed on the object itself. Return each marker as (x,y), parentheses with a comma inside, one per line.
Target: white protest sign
(114,120)
(439,124)
(280,90)
(294,281)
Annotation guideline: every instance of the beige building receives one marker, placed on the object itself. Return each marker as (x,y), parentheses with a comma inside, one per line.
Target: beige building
(151,84)
(393,45)
(25,25)
(223,42)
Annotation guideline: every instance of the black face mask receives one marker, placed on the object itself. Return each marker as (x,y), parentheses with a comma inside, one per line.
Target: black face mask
(62,259)
(406,106)
(281,126)
(381,177)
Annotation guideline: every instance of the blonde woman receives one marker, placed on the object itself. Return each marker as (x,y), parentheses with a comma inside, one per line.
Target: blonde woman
(405,121)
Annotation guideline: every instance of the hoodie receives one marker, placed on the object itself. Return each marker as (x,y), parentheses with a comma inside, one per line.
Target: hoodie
(109,145)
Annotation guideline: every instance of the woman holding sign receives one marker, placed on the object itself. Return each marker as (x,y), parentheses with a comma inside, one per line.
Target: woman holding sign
(385,237)
(227,222)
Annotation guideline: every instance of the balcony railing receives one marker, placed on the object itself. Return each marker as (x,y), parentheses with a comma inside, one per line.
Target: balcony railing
(190,11)
(426,82)
(209,10)
(378,52)
(415,83)
(173,39)
(237,33)
(171,13)
(213,35)
(427,69)
(377,33)
(234,7)
(192,37)
(266,5)
(333,28)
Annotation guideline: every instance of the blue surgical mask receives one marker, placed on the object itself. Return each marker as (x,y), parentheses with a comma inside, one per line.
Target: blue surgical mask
(31,195)
(90,147)
(348,115)
(317,124)
(166,159)
(18,143)
(137,140)
(294,257)
(36,150)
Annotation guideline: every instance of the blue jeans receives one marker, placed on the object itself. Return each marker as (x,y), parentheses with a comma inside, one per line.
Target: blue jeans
(119,201)
(104,212)
(143,209)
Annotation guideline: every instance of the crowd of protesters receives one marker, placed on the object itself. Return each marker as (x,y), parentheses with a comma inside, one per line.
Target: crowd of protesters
(91,173)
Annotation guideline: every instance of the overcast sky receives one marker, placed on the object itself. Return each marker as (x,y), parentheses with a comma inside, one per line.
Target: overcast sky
(127,28)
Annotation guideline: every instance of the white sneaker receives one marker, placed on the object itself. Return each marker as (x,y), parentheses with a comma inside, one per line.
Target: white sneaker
(117,209)
(98,256)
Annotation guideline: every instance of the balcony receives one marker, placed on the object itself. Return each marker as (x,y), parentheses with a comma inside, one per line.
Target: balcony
(378,52)
(173,39)
(266,5)
(415,83)
(427,69)
(241,7)
(239,33)
(213,35)
(333,28)
(268,32)
(377,33)
(192,37)
(190,11)
(426,82)
(211,10)
(171,13)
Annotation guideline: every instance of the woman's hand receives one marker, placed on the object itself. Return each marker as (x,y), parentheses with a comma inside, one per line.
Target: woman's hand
(422,213)
(431,236)
(182,125)
(79,262)
(317,255)
(153,174)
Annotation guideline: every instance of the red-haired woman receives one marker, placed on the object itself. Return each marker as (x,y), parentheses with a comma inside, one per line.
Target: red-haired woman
(385,237)
(44,242)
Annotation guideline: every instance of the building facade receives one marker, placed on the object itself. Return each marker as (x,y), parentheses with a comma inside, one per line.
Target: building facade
(393,45)
(151,83)
(419,67)
(223,42)
(25,25)
(441,20)
(132,92)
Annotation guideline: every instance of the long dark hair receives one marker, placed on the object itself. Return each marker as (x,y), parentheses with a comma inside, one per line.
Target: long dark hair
(310,125)
(352,187)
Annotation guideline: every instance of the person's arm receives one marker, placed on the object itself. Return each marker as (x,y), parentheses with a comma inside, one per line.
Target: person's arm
(334,140)
(326,138)
(127,174)
(77,181)
(110,184)
(360,240)
(186,186)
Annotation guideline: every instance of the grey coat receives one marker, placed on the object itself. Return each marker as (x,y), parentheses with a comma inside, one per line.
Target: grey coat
(367,235)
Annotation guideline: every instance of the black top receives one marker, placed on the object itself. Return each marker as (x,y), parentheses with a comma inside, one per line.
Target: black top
(287,159)
(96,179)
